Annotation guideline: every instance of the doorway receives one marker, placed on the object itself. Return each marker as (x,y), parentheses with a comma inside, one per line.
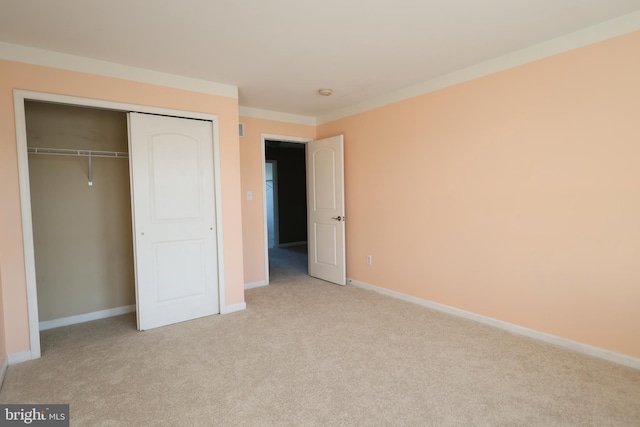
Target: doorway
(20,98)
(321,204)
(81,212)
(290,227)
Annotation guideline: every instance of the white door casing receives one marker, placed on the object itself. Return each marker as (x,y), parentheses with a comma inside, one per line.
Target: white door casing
(172,183)
(325,205)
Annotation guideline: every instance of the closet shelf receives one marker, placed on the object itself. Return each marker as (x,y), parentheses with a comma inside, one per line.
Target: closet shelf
(81,153)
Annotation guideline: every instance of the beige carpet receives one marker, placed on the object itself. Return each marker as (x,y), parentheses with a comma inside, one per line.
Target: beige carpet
(307,352)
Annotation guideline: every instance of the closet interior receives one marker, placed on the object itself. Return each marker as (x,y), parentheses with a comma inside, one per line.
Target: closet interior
(81,211)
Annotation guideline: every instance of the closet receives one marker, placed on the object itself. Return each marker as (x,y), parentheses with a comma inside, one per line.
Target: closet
(120,212)
(81,211)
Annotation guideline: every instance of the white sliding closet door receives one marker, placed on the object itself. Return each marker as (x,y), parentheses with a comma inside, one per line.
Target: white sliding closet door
(174,223)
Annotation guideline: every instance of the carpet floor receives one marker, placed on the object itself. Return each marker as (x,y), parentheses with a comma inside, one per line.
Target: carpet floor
(309,353)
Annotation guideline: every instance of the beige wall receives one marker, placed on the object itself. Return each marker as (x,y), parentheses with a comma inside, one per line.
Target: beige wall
(515,196)
(253,210)
(44,79)
(82,234)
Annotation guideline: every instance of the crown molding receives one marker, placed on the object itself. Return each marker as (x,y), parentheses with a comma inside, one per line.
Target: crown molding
(258,113)
(606,30)
(47,58)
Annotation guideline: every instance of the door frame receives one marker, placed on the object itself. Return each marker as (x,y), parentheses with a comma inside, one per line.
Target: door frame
(19,98)
(264,137)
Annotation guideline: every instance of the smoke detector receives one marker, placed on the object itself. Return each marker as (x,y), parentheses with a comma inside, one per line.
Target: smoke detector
(325,92)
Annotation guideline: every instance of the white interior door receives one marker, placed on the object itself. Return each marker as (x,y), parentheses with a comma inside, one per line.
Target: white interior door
(325,204)
(173,219)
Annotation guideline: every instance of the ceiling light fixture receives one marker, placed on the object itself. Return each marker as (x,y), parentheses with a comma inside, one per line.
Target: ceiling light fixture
(325,92)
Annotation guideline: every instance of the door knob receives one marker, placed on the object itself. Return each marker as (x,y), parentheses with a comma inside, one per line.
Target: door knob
(337,218)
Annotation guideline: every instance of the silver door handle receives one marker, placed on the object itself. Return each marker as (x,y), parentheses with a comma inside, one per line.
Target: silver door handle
(338,218)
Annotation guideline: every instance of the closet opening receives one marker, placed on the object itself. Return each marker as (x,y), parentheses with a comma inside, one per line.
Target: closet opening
(81,213)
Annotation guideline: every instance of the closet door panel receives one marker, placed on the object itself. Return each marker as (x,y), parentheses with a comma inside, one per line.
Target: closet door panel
(182,262)
(174,219)
(175,172)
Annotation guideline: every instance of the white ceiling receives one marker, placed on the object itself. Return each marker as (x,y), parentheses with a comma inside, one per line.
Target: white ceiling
(280,52)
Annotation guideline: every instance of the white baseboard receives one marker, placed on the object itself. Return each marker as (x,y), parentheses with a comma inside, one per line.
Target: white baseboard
(286,245)
(233,308)
(87,317)
(601,353)
(255,285)
(3,369)
(23,356)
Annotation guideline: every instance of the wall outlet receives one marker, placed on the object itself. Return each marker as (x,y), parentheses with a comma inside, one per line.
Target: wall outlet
(369,260)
